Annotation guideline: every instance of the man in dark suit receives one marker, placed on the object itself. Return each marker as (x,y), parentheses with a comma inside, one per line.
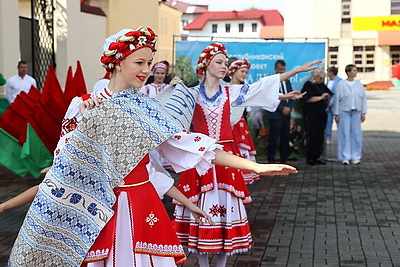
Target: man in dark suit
(279,121)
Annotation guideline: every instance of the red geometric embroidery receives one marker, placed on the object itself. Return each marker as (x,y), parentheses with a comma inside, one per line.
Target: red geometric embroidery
(197,139)
(202,148)
(222,210)
(214,210)
(68,125)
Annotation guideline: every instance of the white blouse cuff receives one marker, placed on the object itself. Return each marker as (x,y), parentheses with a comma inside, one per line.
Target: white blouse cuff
(186,150)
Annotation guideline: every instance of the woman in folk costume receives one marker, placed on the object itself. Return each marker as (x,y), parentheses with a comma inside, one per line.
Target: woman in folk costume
(221,191)
(241,133)
(159,72)
(96,206)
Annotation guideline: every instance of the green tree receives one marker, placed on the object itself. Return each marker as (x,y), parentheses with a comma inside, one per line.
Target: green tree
(184,70)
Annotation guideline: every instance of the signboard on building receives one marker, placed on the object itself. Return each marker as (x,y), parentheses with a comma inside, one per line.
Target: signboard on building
(262,56)
(385,23)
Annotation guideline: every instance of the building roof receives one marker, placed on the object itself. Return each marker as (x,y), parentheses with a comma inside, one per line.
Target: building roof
(186,8)
(265,17)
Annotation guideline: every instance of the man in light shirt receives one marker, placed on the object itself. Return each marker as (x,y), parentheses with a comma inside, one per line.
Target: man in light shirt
(19,82)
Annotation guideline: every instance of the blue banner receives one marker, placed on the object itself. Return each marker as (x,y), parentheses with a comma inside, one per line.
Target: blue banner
(262,56)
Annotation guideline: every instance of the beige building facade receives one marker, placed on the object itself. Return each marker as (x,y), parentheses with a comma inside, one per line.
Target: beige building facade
(332,19)
(80,30)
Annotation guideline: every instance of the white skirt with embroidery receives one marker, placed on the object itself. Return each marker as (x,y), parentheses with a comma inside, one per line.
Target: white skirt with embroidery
(231,232)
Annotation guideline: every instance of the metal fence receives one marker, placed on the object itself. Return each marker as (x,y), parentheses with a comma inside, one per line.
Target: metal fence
(43,54)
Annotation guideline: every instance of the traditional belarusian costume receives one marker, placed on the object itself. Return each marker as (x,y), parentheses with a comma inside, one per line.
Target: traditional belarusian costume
(96,199)
(221,192)
(241,132)
(96,204)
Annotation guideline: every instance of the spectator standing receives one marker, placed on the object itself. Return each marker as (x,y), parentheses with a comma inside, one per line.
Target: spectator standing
(315,106)
(19,82)
(279,121)
(350,108)
(331,83)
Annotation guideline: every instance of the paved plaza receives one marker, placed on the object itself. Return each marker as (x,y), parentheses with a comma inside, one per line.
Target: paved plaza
(326,215)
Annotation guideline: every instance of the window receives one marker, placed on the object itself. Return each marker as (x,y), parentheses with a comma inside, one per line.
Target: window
(184,23)
(333,54)
(369,69)
(346,20)
(346,6)
(363,58)
(395,7)
(214,28)
(241,27)
(395,54)
(346,13)
(228,27)
(254,27)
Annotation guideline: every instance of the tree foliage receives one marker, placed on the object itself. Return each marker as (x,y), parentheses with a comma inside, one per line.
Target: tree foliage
(184,70)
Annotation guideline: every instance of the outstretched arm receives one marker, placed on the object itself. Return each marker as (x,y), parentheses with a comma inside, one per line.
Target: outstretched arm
(292,95)
(229,160)
(198,213)
(306,67)
(23,198)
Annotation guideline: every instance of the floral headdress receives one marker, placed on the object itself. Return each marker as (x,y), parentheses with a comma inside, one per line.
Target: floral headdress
(208,54)
(243,63)
(159,65)
(120,45)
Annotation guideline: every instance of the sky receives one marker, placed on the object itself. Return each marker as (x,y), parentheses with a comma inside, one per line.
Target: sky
(228,5)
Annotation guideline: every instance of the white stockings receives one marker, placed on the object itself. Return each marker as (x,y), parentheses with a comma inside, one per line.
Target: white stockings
(221,260)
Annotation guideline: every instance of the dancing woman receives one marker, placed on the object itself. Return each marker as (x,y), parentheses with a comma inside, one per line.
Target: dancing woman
(221,191)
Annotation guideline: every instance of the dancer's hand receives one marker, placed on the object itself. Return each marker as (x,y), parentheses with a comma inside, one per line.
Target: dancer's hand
(292,95)
(274,169)
(200,215)
(89,104)
(309,66)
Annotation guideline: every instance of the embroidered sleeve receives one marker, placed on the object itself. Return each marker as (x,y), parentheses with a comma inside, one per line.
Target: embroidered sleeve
(186,150)
(69,123)
(264,93)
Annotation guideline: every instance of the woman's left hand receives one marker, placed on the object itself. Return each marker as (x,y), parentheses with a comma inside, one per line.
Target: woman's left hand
(201,216)
(274,169)
(309,65)
(292,95)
